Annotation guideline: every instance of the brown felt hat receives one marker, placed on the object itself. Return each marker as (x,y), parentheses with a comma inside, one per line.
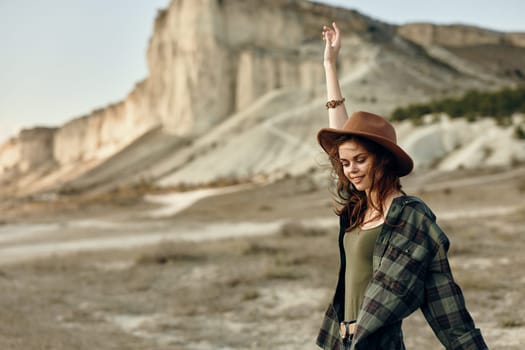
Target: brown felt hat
(373,128)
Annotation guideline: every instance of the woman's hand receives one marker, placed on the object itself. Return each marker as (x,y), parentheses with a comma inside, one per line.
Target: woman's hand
(332,39)
(336,116)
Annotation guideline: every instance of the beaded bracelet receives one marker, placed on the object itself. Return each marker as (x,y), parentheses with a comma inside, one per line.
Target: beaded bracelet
(334,103)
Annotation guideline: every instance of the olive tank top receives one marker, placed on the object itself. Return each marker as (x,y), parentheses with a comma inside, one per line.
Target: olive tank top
(359,249)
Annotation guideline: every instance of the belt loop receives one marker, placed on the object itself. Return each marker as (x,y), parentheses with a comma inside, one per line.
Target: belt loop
(345,328)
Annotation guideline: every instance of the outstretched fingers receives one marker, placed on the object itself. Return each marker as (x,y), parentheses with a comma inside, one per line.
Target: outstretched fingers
(327,33)
(332,35)
(336,42)
(332,38)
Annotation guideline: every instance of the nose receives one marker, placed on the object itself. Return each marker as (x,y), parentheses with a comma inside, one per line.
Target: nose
(351,169)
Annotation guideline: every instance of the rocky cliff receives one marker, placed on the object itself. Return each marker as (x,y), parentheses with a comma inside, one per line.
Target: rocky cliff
(456,35)
(236,84)
(473,50)
(30,149)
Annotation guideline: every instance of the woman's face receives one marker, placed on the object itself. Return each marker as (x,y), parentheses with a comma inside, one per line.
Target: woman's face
(357,163)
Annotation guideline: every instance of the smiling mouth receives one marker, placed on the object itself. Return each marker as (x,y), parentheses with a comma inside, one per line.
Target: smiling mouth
(357,179)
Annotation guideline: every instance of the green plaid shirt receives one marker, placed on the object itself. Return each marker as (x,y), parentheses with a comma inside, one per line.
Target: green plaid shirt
(410,271)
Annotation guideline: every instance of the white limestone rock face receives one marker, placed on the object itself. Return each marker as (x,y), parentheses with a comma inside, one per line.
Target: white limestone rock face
(452,144)
(457,35)
(30,149)
(241,83)
(104,131)
(9,155)
(208,59)
(190,66)
(35,147)
(429,143)
(491,145)
(270,140)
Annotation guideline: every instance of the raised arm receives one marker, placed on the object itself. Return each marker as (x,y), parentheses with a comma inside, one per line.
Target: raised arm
(337,115)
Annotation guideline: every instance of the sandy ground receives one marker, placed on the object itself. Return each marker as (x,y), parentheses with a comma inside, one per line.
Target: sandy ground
(246,268)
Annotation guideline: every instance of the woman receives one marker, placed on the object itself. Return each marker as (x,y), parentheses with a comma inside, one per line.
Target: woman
(393,254)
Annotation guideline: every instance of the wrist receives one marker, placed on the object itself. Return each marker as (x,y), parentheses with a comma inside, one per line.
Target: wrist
(334,103)
(329,65)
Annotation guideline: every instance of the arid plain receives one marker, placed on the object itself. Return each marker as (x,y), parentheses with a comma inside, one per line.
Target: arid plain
(250,269)
(104,257)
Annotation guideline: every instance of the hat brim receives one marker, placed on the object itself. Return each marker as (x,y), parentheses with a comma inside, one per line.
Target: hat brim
(328,136)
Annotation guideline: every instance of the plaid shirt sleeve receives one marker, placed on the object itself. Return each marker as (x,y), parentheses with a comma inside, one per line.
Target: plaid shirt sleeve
(444,306)
(329,337)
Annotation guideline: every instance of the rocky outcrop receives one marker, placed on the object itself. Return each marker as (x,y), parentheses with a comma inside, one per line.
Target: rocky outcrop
(32,148)
(238,84)
(451,144)
(474,51)
(10,155)
(457,35)
(105,131)
(207,59)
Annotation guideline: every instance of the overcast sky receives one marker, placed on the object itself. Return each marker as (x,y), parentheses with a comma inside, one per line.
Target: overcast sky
(61,59)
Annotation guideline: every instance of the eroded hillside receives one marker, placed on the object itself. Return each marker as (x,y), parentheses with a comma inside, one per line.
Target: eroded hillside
(236,90)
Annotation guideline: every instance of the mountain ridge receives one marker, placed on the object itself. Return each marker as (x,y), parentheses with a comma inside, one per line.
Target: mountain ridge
(249,63)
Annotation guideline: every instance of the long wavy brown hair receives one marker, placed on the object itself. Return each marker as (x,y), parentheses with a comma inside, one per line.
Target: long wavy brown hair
(384,180)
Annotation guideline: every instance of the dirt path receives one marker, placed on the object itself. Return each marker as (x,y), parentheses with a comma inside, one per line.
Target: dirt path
(177,202)
(16,253)
(469,181)
(16,245)
(24,242)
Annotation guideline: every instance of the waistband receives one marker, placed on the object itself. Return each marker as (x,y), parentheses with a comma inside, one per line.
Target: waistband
(347,329)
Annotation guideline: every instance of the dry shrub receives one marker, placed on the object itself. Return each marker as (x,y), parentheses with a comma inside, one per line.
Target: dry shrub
(287,260)
(170,252)
(232,282)
(521,186)
(250,294)
(294,229)
(511,323)
(258,248)
(280,272)
(288,266)
(265,207)
(305,185)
